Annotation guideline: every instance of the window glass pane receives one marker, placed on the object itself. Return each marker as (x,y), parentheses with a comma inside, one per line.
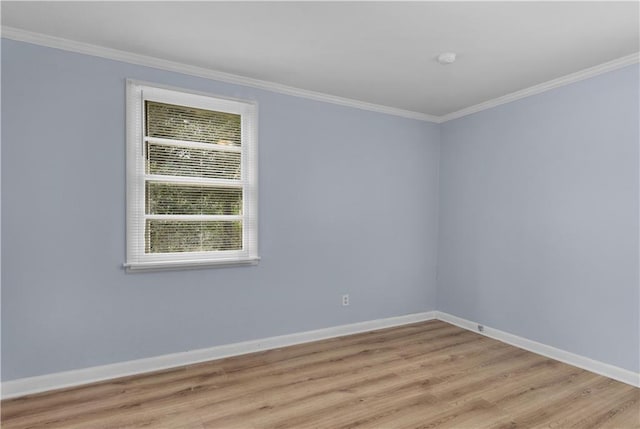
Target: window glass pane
(170,121)
(169,198)
(165,236)
(181,161)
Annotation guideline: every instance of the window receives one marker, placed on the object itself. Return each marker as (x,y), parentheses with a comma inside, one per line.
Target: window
(191,179)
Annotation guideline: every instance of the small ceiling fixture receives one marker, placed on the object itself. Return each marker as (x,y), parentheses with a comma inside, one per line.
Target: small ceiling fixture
(447,58)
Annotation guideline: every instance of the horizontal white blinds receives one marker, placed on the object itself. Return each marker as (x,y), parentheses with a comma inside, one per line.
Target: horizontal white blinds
(168,236)
(187,123)
(191,179)
(182,160)
(176,199)
(183,142)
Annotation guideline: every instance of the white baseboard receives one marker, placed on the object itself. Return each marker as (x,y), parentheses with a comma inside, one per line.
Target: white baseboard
(583,362)
(42,383)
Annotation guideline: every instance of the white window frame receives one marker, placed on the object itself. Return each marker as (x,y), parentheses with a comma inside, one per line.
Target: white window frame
(136,258)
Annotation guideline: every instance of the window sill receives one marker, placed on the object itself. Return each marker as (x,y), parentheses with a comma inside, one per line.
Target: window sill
(188,265)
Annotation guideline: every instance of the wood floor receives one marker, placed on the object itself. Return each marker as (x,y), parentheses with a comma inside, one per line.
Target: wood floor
(425,375)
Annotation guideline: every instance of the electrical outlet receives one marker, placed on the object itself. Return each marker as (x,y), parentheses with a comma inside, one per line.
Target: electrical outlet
(345,300)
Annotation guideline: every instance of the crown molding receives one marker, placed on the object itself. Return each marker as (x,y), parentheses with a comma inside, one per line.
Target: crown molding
(162,64)
(545,86)
(159,63)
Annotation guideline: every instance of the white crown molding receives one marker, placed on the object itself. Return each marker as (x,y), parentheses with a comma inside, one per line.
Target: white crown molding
(158,63)
(545,86)
(579,361)
(59,380)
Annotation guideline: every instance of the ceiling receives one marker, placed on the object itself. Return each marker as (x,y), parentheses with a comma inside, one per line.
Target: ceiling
(377,52)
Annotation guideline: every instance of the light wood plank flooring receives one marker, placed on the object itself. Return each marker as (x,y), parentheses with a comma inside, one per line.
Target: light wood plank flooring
(425,375)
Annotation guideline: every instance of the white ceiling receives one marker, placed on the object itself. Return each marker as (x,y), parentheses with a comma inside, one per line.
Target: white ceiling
(377,52)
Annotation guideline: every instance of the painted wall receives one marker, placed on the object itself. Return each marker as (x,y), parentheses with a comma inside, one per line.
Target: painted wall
(348,204)
(539,218)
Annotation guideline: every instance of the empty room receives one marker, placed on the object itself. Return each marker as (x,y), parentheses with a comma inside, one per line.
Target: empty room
(320,214)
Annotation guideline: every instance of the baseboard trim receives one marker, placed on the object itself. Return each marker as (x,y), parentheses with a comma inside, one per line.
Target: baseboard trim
(60,380)
(601,368)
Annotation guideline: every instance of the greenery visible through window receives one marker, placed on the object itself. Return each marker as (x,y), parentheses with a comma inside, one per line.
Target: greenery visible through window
(191,124)
(165,198)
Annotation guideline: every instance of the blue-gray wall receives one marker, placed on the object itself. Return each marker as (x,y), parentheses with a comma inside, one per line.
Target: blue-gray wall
(348,204)
(539,218)
(538,231)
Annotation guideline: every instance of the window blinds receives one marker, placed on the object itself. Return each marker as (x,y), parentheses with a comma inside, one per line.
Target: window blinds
(192,194)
